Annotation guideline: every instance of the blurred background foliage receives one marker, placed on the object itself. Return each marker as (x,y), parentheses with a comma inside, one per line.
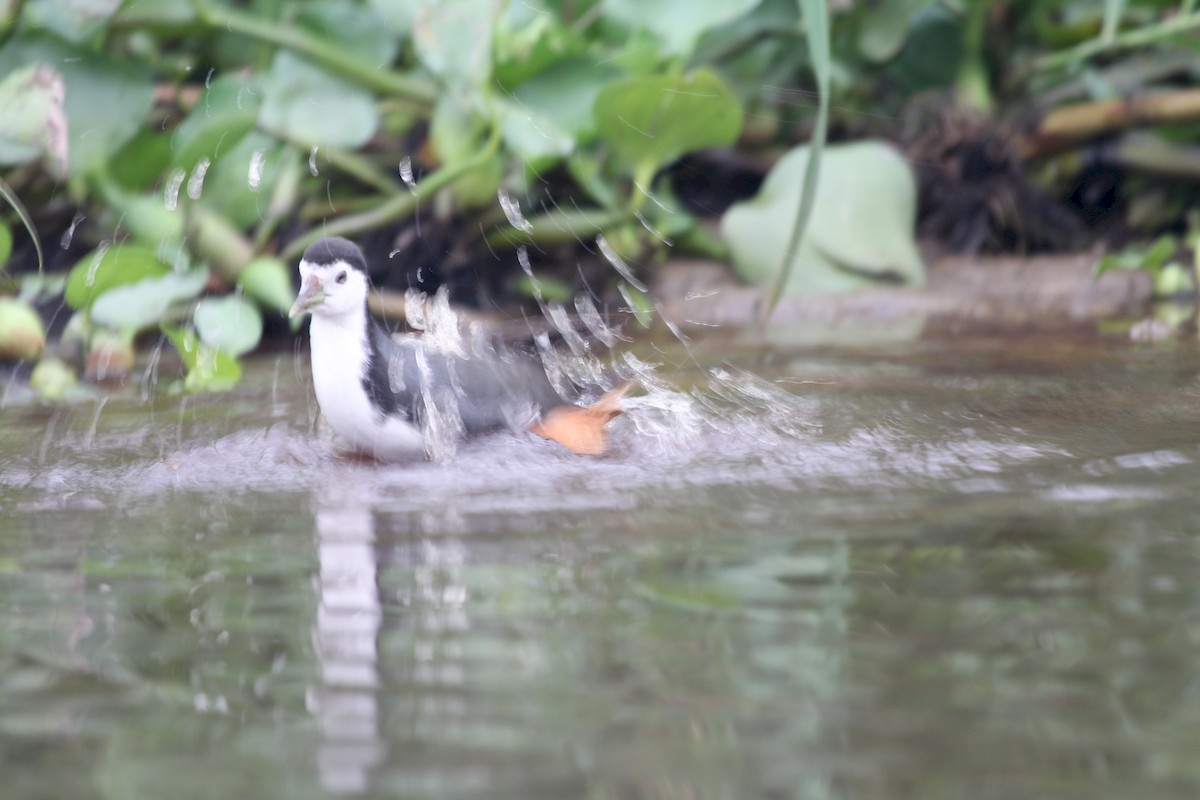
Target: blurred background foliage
(166,161)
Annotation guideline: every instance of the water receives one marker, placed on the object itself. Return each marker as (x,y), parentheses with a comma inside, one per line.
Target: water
(939,570)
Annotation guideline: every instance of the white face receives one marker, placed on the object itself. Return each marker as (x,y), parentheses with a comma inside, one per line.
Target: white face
(330,290)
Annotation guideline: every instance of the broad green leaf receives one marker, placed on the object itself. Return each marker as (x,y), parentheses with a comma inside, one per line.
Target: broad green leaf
(135,306)
(529,44)
(860,232)
(396,16)
(652,120)
(454,40)
(208,370)
(231,324)
(303,100)
(108,267)
(531,135)
(268,281)
(678,23)
(74,20)
(359,28)
(34,119)
(141,162)
(227,111)
(883,28)
(241,179)
(566,94)
(933,49)
(106,99)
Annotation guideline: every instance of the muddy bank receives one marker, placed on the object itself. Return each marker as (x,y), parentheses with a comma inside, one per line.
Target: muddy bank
(1044,292)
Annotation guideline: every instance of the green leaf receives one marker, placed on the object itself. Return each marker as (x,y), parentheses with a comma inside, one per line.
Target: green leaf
(860,232)
(566,94)
(230,324)
(454,40)
(307,102)
(227,111)
(108,267)
(74,20)
(268,281)
(208,370)
(457,135)
(883,28)
(359,28)
(652,120)
(678,23)
(6,245)
(34,119)
(241,178)
(933,49)
(135,306)
(396,16)
(106,100)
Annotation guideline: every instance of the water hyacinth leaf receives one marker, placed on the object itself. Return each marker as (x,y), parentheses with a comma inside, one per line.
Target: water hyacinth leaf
(106,99)
(396,16)
(208,370)
(240,181)
(108,267)
(227,111)
(530,42)
(454,40)
(933,49)
(885,27)
(359,28)
(531,135)
(678,24)
(861,230)
(269,282)
(231,324)
(135,306)
(307,102)
(650,121)
(73,20)
(34,120)
(142,161)
(566,94)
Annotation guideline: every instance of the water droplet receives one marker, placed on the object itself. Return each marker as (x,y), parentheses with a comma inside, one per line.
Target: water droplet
(195,184)
(90,278)
(618,263)
(406,173)
(512,210)
(171,188)
(258,162)
(312,162)
(69,234)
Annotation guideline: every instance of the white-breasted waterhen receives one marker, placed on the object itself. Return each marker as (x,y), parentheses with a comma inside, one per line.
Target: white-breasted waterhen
(375,391)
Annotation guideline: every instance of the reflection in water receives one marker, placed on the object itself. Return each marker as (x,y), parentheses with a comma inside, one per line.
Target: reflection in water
(346,638)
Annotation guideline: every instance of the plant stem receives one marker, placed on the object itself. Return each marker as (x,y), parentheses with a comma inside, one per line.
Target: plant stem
(335,59)
(1121,41)
(399,206)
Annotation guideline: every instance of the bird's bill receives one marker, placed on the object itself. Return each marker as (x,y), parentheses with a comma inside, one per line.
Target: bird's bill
(311,295)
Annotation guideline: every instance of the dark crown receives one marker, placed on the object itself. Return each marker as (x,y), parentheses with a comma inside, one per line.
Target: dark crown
(335,248)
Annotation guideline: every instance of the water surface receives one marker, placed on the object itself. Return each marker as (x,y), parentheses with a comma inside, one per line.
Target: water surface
(936,570)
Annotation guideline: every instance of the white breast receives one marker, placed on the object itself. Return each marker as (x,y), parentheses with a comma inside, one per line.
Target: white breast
(339,360)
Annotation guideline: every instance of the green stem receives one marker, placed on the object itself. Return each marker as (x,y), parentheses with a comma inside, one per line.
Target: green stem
(336,60)
(399,206)
(1122,41)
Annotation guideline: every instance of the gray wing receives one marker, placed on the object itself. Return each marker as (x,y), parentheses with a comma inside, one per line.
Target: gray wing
(484,392)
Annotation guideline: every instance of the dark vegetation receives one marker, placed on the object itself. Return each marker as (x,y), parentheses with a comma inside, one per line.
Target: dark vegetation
(173,157)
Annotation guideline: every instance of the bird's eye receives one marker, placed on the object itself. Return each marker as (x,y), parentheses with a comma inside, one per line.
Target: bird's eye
(341,277)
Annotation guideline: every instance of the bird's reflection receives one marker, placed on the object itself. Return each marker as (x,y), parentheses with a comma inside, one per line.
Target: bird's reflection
(349,617)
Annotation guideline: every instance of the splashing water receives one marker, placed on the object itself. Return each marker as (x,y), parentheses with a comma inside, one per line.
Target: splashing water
(254,175)
(512,210)
(195,184)
(171,188)
(406,174)
(618,263)
(312,162)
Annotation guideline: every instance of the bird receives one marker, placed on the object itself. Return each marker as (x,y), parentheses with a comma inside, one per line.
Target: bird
(381,395)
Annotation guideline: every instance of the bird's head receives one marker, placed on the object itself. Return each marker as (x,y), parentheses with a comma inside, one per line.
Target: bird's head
(333,279)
